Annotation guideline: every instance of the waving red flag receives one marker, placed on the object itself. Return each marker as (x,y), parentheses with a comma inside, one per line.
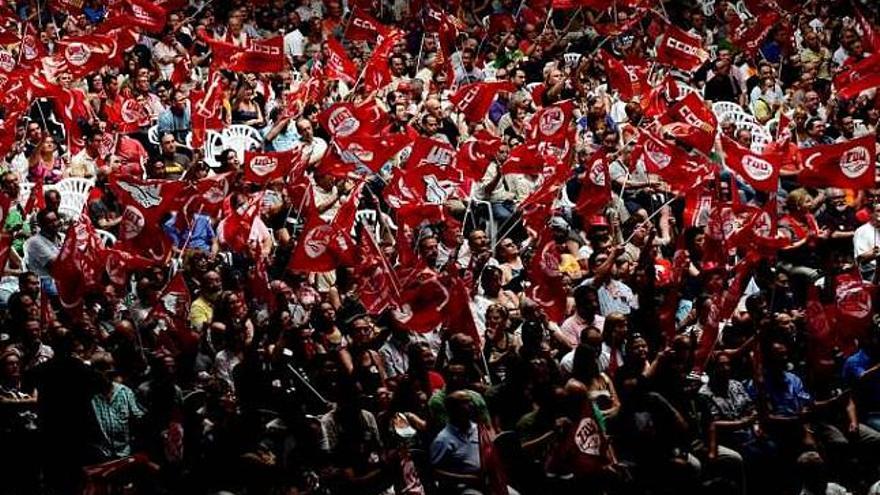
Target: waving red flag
(145,202)
(78,268)
(259,56)
(32,48)
(377,282)
(207,196)
(849,165)
(680,49)
(759,170)
(428,151)
(261,167)
(120,264)
(751,33)
(127,113)
(321,247)
(37,200)
(474,155)
(527,158)
(366,151)
(377,73)
(342,120)
(595,190)
(550,124)
(82,55)
(626,80)
(858,70)
(364,27)
(474,99)
(424,300)
(173,305)
(461,318)
(125,13)
(853,308)
(547,289)
(869,33)
(337,65)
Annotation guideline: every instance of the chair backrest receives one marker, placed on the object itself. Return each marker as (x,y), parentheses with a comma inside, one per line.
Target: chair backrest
(214,144)
(153,134)
(24,191)
(107,238)
(241,138)
(685,89)
(720,107)
(72,203)
(489,73)
(368,219)
(735,117)
(572,59)
(75,184)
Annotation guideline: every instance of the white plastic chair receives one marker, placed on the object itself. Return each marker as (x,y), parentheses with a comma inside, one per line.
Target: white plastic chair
(75,184)
(241,138)
(760,136)
(572,59)
(708,7)
(107,238)
(153,134)
(735,117)
(720,107)
(685,89)
(214,144)
(24,191)
(72,203)
(367,218)
(490,227)
(489,74)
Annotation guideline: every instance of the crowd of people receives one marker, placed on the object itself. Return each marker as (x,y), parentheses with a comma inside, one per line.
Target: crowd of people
(309,247)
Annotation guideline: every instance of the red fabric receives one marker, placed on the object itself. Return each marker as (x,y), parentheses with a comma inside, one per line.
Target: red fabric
(474,155)
(36,200)
(749,38)
(145,202)
(364,27)
(547,289)
(849,165)
(127,113)
(368,151)
(474,99)
(550,124)
(321,247)
(700,121)
(83,55)
(595,190)
(424,299)
(78,268)
(265,55)
(120,264)
(238,224)
(428,151)
(377,73)
(759,170)
(141,13)
(173,307)
(460,319)
(261,167)
(377,282)
(680,49)
(868,31)
(337,65)
(853,308)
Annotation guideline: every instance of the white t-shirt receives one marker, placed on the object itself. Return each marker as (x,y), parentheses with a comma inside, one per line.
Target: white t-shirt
(865,239)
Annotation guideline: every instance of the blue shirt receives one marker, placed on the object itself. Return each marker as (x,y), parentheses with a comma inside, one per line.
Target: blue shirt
(788,397)
(457,451)
(202,236)
(179,125)
(869,392)
(284,141)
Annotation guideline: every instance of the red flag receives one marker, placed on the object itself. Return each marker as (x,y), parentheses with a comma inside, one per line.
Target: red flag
(751,33)
(461,319)
(759,170)
(869,34)
(367,151)
(474,155)
(127,113)
(125,13)
(321,247)
(821,339)
(36,201)
(145,203)
(364,27)
(547,289)
(261,167)
(207,108)
(377,282)
(659,97)
(722,306)
(78,268)
(377,73)
(618,28)
(265,55)
(474,99)
(693,111)
(238,224)
(345,119)
(853,305)
(174,303)
(680,49)
(208,196)
(428,151)
(849,165)
(337,65)
(120,264)
(425,300)
(82,55)
(856,71)
(32,48)
(595,190)
(182,72)
(551,123)
(408,195)
(618,76)
(68,6)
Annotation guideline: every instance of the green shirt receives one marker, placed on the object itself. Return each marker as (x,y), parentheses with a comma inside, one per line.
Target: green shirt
(437,408)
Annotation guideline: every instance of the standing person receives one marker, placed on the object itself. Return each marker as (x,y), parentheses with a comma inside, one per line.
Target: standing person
(65,386)
(866,242)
